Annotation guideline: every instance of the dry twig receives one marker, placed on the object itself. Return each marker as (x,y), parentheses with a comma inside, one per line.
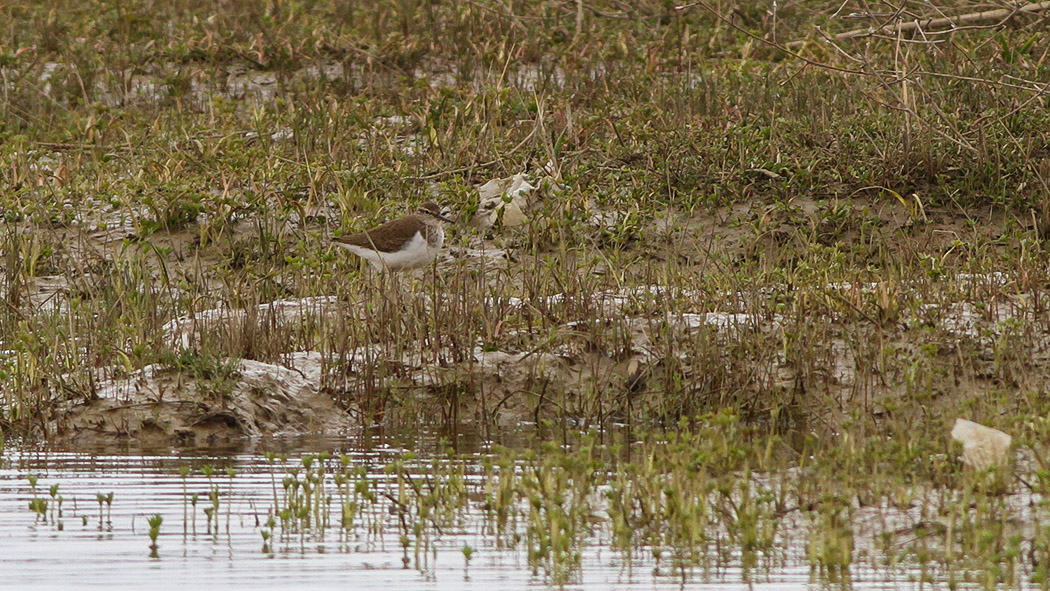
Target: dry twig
(946,24)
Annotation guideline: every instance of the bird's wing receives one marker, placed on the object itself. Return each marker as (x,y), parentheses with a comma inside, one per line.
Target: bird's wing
(387,237)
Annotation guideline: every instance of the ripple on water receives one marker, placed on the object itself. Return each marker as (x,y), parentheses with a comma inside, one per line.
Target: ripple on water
(111,551)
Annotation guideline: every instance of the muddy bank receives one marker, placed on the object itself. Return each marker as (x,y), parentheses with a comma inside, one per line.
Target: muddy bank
(236,400)
(624,362)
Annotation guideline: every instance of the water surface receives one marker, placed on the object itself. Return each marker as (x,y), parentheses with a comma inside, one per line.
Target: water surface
(111,549)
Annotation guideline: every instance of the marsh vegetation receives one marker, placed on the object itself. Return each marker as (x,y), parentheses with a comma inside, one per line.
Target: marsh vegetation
(782,258)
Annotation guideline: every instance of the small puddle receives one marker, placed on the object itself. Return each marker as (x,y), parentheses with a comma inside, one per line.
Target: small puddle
(92,542)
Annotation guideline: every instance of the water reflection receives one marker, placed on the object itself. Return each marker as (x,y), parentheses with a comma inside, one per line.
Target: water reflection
(248,518)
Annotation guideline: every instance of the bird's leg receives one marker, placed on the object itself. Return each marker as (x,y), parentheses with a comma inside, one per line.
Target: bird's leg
(430,280)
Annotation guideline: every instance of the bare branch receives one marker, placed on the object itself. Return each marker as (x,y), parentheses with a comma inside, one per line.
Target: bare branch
(944,25)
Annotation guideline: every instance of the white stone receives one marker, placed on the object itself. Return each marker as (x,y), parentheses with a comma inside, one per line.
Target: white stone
(983,447)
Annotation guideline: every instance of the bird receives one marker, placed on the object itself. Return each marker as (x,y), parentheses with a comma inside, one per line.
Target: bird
(406,243)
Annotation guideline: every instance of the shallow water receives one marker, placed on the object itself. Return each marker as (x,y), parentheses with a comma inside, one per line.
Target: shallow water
(111,550)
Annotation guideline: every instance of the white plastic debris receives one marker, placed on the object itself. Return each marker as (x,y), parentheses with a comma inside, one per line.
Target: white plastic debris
(504,201)
(983,447)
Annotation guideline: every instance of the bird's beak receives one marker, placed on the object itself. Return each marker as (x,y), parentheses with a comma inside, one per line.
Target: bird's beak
(441,216)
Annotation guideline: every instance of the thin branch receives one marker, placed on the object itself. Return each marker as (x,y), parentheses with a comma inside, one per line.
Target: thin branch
(1034,86)
(991,18)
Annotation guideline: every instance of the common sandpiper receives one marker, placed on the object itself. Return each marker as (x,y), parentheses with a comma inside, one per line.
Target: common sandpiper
(406,243)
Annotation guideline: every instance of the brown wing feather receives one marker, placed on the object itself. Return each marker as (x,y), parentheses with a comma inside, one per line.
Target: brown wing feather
(387,237)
